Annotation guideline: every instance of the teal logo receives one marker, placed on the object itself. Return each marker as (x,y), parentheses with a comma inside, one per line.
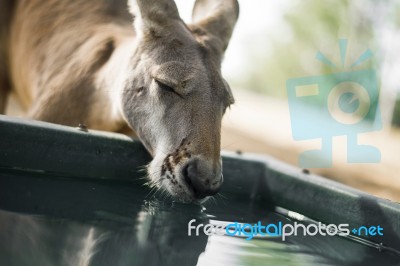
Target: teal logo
(350,106)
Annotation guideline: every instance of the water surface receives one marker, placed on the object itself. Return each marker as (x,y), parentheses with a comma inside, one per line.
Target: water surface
(50,220)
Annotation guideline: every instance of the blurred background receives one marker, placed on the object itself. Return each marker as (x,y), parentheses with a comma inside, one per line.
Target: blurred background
(275,41)
(278,40)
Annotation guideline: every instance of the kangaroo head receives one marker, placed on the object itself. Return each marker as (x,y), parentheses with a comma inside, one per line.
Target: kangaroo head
(174,96)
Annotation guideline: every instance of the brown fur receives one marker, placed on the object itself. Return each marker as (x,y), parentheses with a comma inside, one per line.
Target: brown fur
(53,70)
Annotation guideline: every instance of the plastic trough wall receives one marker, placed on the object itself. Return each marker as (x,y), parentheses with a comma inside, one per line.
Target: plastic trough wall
(37,146)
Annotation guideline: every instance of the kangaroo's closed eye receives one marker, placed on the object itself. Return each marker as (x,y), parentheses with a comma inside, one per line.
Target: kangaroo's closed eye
(166,87)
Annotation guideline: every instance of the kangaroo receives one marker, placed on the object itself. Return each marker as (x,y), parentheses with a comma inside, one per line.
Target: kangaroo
(111,63)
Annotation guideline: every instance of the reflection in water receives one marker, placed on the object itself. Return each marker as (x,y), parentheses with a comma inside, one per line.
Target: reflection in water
(35,240)
(157,238)
(87,249)
(100,223)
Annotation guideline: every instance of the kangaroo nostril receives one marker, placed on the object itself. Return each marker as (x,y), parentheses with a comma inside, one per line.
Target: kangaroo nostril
(185,173)
(199,181)
(189,173)
(219,181)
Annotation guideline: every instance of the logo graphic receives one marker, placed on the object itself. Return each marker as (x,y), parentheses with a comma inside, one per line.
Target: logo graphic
(350,107)
(249,231)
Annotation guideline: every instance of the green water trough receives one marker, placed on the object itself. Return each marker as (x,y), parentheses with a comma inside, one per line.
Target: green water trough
(46,170)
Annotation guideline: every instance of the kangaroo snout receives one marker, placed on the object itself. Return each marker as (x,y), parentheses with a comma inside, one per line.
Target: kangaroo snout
(202,178)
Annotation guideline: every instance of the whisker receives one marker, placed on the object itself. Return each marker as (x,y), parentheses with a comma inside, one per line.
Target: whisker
(222,196)
(230,144)
(150,192)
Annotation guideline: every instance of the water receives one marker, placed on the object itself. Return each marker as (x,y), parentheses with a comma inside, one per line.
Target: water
(47,220)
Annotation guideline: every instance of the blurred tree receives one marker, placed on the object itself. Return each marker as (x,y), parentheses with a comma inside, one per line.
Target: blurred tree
(310,26)
(313,25)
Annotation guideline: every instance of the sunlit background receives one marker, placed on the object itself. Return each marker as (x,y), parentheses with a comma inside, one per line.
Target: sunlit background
(278,40)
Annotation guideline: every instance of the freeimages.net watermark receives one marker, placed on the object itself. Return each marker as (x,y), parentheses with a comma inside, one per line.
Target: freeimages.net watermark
(349,106)
(249,231)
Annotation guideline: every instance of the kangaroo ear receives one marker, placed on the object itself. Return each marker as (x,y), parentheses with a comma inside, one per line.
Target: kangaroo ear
(151,16)
(215,18)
